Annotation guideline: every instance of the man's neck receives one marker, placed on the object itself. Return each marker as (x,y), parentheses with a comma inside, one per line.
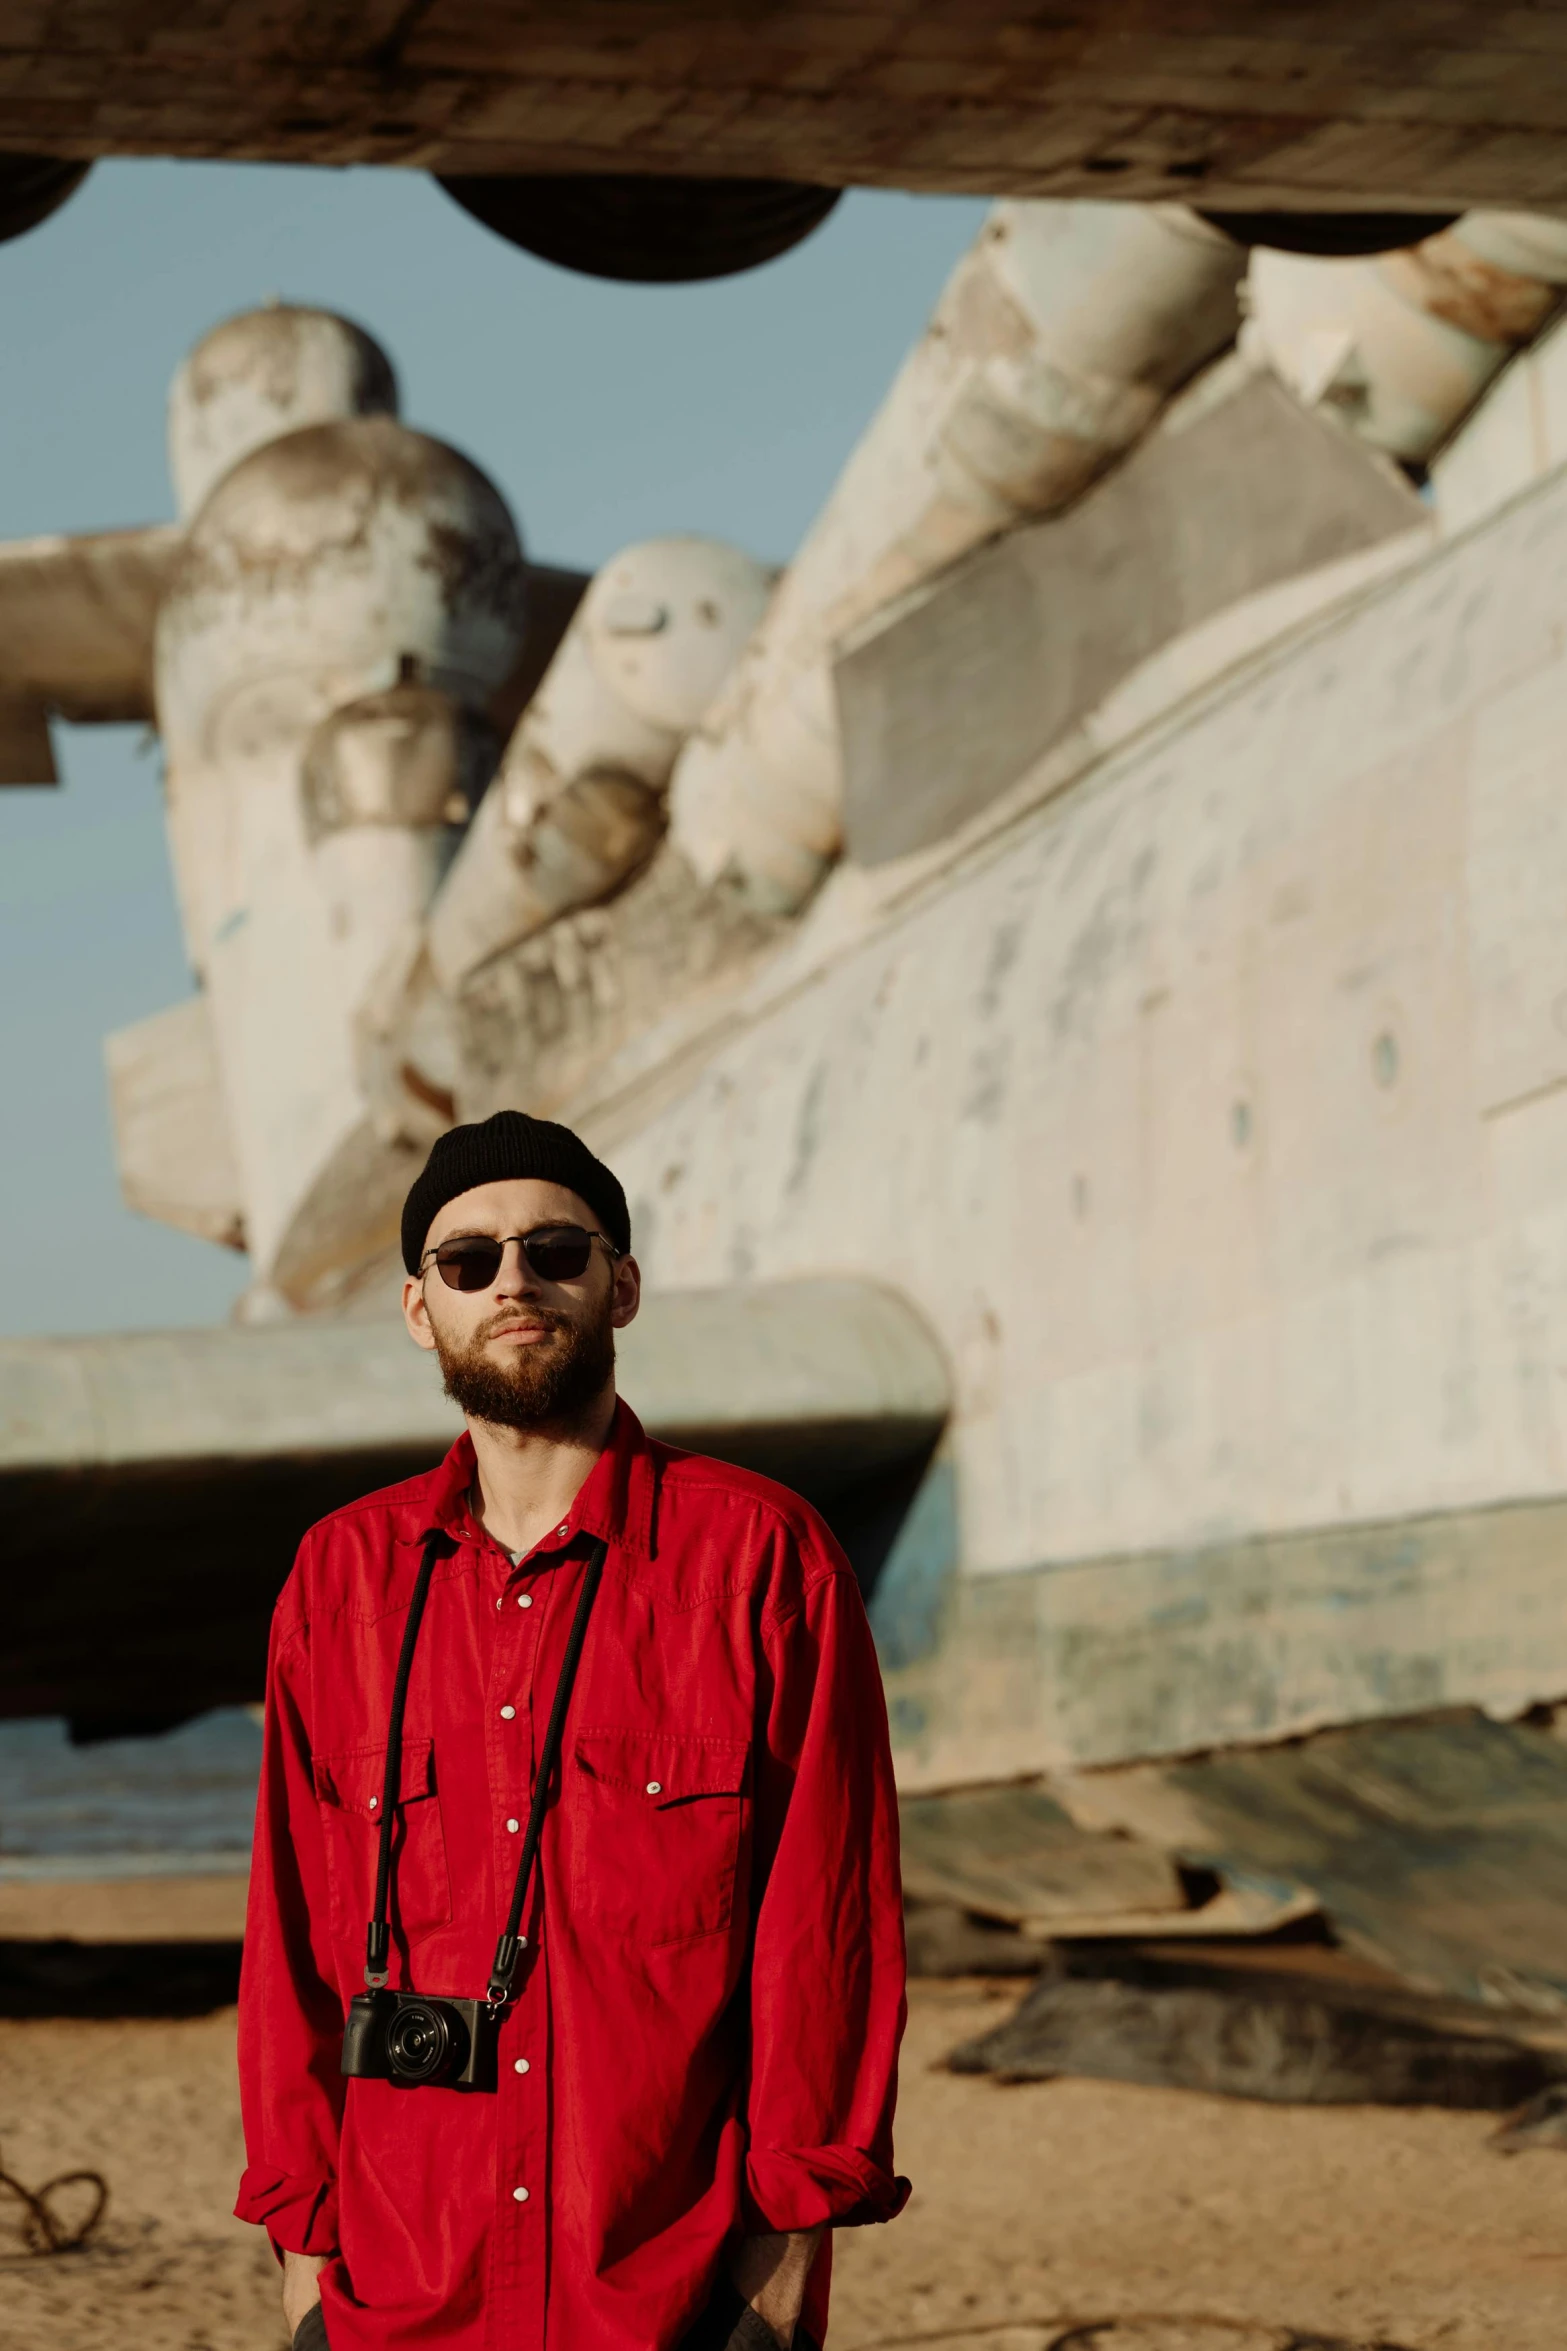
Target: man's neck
(528,1479)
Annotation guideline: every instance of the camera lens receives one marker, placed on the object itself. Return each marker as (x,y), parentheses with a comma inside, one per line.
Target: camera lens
(425,2042)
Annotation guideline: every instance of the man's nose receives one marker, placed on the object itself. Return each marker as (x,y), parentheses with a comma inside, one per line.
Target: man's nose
(516,1278)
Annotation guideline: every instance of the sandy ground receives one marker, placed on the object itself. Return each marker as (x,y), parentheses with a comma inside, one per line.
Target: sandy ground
(1235,2226)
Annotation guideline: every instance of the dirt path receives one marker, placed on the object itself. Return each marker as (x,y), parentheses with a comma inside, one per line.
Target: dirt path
(1033,2205)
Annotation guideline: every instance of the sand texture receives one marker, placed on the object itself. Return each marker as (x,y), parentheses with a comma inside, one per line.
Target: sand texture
(1230,2227)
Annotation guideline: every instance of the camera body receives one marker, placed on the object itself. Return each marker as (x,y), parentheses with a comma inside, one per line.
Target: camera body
(418,2042)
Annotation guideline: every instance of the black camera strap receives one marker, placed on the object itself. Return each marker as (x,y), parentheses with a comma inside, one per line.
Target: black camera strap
(378,1940)
(508,1951)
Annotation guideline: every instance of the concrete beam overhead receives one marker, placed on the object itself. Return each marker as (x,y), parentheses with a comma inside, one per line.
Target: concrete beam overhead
(1336,105)
(837,1354)
(156,1484)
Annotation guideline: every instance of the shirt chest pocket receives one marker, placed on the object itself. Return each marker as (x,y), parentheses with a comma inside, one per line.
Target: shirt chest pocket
(657,1821)
(349,1788)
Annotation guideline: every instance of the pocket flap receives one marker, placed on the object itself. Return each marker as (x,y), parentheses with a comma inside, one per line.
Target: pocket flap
(663,1767)
(353,1780)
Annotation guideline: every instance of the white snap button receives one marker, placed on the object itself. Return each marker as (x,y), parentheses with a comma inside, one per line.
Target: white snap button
(519,2065)
(524,1599)
(655,1787)
(374,1801)
(508,1714)
(521,2195)
(560,1530)
(511,1828)
(500,1603)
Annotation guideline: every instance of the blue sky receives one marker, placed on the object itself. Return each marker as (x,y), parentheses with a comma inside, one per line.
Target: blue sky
(604,412)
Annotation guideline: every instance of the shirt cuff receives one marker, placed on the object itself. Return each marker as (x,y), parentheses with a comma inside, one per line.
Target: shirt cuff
(789,2188)
(298,2214)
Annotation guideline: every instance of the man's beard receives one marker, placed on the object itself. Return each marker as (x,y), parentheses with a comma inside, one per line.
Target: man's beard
(549,1384)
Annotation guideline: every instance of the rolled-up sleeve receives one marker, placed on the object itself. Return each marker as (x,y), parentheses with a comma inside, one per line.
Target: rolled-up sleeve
(827,1977)
(290,2010)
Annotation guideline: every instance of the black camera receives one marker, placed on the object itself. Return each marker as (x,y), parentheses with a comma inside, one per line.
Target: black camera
(419,2042)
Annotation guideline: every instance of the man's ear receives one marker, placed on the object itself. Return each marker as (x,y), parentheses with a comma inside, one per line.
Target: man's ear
(417,1315)
(627,1292)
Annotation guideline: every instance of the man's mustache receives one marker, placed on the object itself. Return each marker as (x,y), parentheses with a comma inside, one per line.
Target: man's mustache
(547,1316)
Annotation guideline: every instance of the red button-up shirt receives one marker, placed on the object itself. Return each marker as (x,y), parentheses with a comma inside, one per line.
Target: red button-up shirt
(704,2037)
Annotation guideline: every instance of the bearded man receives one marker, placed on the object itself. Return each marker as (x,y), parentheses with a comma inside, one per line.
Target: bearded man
(576,1804)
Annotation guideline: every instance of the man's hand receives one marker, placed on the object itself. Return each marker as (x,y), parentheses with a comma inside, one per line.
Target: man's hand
(772,2273)
(301,2286)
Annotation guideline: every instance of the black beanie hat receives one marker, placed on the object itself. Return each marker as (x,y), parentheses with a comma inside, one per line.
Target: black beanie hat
(509,1145)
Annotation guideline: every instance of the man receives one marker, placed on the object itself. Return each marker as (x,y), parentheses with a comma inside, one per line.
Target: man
(693,2074)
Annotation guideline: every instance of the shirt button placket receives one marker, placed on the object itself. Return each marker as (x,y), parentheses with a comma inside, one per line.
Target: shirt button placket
(521,2150)
(522,2154)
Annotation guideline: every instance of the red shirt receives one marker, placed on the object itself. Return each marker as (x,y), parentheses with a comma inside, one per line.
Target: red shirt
(704,2038)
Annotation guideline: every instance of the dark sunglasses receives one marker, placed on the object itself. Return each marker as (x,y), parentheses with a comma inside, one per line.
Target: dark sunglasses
(556,1253)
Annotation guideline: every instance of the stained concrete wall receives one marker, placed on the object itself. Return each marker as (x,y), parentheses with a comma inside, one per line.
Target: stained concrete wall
(1215,1111)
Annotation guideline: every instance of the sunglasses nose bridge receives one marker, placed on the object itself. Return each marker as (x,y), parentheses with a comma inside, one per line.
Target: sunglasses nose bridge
(514,1271)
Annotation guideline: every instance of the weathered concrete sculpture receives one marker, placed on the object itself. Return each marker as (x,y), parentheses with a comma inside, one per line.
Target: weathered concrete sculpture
(1112,897)
(1401,345)
(576,811)
(1055,344)
(348,600)
(578,804)
(342,605)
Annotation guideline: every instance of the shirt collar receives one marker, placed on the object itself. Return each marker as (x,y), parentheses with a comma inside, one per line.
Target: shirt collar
(615,1503)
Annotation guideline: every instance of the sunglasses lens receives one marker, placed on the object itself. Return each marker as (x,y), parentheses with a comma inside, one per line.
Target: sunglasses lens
(469,1265)
(559,1256)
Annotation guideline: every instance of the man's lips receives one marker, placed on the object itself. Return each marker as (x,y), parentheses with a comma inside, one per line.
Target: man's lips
(529,1331)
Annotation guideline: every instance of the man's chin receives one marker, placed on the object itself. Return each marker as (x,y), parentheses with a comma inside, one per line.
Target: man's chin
(491,1392)
(531,1383)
